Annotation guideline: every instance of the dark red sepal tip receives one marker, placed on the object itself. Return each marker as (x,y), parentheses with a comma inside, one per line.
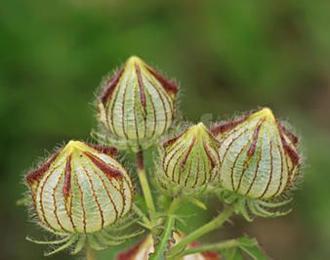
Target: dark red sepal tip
(167,84)
(141,88)
(293,138)
(255,136)
(67,177)
(109,171)
(110,86)
(111,151)
(223,127)
(294,157)
(34,176)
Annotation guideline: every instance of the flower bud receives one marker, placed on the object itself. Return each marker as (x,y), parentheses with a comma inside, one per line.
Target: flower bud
(259,155)
(136,106)
(189,161)
(142,250)
(80,189)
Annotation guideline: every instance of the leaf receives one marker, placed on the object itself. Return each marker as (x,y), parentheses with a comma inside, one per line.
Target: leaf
(232,254)
(251,247)
(198,203)
(247,247)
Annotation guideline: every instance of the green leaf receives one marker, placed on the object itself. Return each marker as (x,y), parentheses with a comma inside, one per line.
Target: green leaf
(232,254)
(198,203)
(247,247)
(251,247)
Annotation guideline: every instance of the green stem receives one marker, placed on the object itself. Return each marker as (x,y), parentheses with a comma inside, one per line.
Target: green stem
(90,253)
(212,247)
(208,227)
(162,247)
(146,222)
(144,182)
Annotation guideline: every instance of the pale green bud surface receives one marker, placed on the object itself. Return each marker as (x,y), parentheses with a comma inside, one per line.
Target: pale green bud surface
(259,157)
(80,189)
(136,106)
(189,161)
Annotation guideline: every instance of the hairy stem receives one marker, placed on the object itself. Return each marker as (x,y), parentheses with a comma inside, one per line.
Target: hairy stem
(163,245)
(212,247)
(146,222)
(208,227)
(144,182)
(90,253)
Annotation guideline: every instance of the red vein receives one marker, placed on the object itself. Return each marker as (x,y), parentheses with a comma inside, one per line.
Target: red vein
(82,203)
(94,196)
(293,138)
(109,195)
(164,106)
(111,151)
(35,175)
(282,168)
(172,140)
(294,157)
(109,171)
(256,172)
(227,125)
(110,86)
(141,88)
(183,162)
(67,178)
(55,204)
(271,169)
(255,136)
(169,86)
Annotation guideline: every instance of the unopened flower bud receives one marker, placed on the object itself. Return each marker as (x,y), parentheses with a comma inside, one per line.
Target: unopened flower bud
(80,189)
(136,106)
(142,250)
(189,161)
(259,155)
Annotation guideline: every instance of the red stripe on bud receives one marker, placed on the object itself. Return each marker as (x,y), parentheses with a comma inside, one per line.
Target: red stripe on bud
(107,169)
(255,136)
(111,151)
(35,175)
(294,157)
(208,153)
(169,86)
(226,126)
(67,178)
(110,86)
(183,162)
(141,89)
(293,138)
(172,140)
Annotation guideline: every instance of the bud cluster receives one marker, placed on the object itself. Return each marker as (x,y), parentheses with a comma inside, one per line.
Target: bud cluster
(82,193)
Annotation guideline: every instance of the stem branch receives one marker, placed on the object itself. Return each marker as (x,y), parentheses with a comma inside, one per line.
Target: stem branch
(163,245)
(208,227)
(146,222)
(144,182)
(212,247)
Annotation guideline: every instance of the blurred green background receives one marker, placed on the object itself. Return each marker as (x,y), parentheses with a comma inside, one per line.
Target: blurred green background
(228,56)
